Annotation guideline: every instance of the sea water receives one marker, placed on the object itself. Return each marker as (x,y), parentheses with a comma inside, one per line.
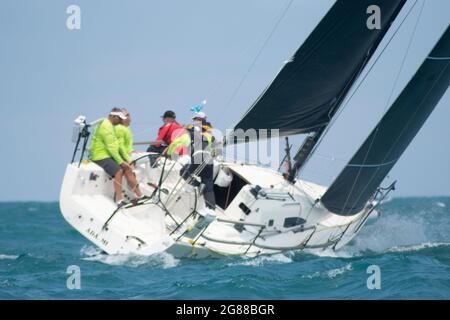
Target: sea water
(409,243)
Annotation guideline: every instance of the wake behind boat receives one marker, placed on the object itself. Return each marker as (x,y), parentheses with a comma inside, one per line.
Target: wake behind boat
(260,210)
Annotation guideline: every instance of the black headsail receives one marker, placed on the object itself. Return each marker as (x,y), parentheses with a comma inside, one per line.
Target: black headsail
(359,180)
(311,86)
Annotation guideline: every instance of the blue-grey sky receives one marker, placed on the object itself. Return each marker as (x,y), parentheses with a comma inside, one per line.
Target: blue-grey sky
(151,55)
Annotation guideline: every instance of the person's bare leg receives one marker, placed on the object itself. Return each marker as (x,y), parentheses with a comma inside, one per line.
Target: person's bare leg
(132,182)
(118,186)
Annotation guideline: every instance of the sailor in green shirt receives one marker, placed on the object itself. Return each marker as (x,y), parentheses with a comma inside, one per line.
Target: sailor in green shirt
(105,152)
(125,137)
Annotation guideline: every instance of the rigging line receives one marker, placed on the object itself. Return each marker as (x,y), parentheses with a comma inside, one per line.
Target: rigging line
(405,56)
(347,101)
(258,54)
(319,173)
(143,123)
(219,84)
(387,106)
(141,132)
(330,158)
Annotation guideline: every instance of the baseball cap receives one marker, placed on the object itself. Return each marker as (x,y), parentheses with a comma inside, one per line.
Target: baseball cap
(168,114)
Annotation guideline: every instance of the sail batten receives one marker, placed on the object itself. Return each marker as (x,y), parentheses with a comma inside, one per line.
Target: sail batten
(359,180)
(315,80)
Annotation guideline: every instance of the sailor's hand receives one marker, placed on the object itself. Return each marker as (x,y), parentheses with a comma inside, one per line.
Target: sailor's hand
(125,166)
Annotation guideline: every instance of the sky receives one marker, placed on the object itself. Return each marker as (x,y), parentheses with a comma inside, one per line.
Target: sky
(149,56)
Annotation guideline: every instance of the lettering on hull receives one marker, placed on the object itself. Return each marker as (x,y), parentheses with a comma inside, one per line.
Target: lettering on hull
(96,236)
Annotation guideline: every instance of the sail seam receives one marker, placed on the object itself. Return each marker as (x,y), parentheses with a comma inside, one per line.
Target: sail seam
(438,58)
(372,165)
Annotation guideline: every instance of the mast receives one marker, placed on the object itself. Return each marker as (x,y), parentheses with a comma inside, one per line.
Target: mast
(311,86)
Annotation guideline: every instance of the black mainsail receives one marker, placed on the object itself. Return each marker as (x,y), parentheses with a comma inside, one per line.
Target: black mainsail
(311,86)
(359,180)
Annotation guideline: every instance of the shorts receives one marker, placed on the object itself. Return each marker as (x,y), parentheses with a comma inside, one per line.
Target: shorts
(109,165)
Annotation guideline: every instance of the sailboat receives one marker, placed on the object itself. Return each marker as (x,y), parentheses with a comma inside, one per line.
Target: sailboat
(260,210)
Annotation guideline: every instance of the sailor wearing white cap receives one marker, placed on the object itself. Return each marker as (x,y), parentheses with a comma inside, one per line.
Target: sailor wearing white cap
(104,151)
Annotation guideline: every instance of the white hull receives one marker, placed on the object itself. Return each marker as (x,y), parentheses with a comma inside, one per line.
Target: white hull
(280,217)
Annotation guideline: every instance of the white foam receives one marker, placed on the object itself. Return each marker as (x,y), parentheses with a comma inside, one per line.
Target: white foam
(338,271)
(387,200)
(163,260)
(418,247)
(393,232)
(90,250)
(8,257)
(440,204)
(331,274)
(330,253)
(279,258)
(388,232)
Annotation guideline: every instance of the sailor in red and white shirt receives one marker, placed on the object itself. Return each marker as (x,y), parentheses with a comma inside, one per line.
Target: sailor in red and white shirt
(167,133)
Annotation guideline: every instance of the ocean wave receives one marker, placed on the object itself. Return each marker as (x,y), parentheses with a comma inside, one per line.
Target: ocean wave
(331,274)
(162,260)
(356,252)
(394,232)
(330,253)
(8,257)
(398,230)
(278,258)
(418,247)
(440,204)
(387,200)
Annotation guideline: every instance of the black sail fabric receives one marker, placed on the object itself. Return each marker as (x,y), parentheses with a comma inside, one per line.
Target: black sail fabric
(321,72)
(359,180)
